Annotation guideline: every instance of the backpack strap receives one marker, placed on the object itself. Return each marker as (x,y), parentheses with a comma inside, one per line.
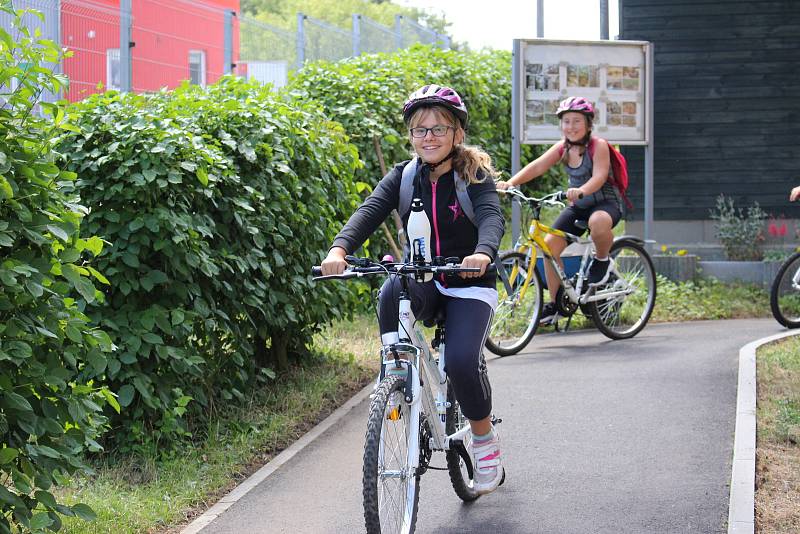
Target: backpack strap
(463,197)
(407,191)
(407,187)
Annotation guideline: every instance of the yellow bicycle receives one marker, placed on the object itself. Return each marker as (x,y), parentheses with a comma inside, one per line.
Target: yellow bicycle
(620,308)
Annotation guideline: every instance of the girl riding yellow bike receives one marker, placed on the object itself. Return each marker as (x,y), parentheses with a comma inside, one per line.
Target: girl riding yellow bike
(592,197)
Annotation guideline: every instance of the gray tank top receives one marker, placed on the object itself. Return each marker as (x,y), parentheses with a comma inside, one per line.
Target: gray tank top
(581,174)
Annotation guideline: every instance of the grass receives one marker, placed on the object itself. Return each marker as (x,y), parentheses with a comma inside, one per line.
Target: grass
(140,495)
(708,299)
(778,438)
(696,301)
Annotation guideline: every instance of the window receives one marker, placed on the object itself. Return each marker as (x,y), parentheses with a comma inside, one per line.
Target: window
(112,69)
(197,67)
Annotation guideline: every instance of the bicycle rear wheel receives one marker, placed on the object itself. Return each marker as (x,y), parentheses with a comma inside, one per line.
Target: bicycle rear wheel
(390,485)
(784,296)
(624,316)
(519,306)
(459,475)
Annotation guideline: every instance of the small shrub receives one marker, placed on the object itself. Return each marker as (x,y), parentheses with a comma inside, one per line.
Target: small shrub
(739,230)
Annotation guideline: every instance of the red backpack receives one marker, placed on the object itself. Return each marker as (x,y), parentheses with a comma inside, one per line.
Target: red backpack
(618,177)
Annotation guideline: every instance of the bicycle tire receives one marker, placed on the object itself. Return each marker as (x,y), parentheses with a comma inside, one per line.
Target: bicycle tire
(515,321)
(386,450)
(784,299)
(459,477)
(625,316)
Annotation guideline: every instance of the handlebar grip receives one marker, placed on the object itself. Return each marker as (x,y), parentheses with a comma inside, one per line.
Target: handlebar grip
(316,270)
(562,195)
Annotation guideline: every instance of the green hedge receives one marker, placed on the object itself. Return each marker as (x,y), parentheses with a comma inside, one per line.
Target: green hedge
(50,409)
(216,203)
(366,95)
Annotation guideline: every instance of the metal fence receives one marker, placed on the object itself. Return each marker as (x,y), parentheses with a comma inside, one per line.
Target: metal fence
(146,45)
(47,29)
(370,37)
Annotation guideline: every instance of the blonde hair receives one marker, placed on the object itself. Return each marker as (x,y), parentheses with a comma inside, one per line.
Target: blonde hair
(468,160)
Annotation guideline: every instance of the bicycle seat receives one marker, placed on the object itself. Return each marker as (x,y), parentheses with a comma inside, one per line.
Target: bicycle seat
(583,225)
(438,318)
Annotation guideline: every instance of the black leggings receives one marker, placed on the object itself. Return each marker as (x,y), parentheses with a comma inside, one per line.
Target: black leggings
(466,327)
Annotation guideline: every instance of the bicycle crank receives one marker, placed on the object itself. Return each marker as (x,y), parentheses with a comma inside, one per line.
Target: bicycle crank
(564,305)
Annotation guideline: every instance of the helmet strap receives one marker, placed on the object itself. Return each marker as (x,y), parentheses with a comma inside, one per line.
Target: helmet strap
(433,166)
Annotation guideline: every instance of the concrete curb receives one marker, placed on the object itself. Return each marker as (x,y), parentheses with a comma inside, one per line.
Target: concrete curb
(741,508)
(259,476)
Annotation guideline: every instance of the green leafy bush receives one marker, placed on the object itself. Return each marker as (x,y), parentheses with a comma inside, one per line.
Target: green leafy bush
(50,409)
(216,202)
(740,231)
(366,95)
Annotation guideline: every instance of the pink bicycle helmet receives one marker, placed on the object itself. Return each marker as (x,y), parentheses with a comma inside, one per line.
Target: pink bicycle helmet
(576,103)
(431,95)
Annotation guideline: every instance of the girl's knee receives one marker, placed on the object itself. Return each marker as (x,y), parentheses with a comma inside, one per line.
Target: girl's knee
(556,243)
(601,216)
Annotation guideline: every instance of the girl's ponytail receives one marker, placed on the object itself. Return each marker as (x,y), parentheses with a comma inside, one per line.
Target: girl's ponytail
(469,160)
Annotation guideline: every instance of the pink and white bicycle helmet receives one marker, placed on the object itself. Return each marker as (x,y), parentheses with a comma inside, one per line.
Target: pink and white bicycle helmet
(433,95)
(576,103)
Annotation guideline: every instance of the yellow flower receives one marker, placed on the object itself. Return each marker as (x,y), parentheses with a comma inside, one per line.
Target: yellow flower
(682,252)
(663,248)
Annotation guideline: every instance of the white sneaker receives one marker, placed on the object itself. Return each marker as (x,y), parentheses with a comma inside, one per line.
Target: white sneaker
(487,464)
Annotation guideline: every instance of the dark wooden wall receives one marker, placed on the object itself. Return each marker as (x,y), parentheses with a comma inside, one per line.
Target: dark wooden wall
(727,103)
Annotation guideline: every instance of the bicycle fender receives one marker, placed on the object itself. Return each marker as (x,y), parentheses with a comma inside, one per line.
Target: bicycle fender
(635,239)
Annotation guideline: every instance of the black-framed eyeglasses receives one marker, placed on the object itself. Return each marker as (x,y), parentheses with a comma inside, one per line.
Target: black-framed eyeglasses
(438,131)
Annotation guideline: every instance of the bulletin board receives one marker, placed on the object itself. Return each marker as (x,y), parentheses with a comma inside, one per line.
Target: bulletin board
(612,75)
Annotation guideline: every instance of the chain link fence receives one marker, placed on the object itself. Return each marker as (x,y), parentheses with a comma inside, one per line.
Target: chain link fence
(147,45)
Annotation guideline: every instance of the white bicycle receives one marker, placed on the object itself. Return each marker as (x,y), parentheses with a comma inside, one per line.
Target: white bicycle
(413,412)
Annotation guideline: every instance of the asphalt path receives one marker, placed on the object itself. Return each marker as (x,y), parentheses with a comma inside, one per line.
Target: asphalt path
(599,436)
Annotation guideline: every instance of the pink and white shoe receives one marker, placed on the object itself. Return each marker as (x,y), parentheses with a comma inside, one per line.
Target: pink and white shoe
(488,465)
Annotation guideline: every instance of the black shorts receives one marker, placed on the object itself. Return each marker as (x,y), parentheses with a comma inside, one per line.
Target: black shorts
(566,220)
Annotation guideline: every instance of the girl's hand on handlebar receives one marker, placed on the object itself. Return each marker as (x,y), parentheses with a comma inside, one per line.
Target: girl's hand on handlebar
(334,264)
(795,194)
(574,194)
(479,260)
(502,186)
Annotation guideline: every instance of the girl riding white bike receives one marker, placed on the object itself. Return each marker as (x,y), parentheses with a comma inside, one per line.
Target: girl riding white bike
(437,119)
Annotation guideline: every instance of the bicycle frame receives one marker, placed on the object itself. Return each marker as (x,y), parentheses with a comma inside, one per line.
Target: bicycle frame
(534,241)
(428,395)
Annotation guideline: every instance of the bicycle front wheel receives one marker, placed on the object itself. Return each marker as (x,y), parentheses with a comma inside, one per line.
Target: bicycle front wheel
(519,305)
(459,475)
(784,297)
(624,315)
(390,484)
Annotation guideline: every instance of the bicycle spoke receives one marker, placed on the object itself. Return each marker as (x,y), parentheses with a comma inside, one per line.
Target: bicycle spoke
(623,315)
(392,474)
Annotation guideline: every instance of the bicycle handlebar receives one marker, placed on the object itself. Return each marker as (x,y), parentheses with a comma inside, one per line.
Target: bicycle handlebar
(365,267)
(556,198)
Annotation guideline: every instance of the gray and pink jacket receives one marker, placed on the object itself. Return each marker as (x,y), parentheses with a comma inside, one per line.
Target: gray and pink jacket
(452,233)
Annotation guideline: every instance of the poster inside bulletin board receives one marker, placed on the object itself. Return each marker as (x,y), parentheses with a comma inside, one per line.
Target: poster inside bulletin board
(610,74)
